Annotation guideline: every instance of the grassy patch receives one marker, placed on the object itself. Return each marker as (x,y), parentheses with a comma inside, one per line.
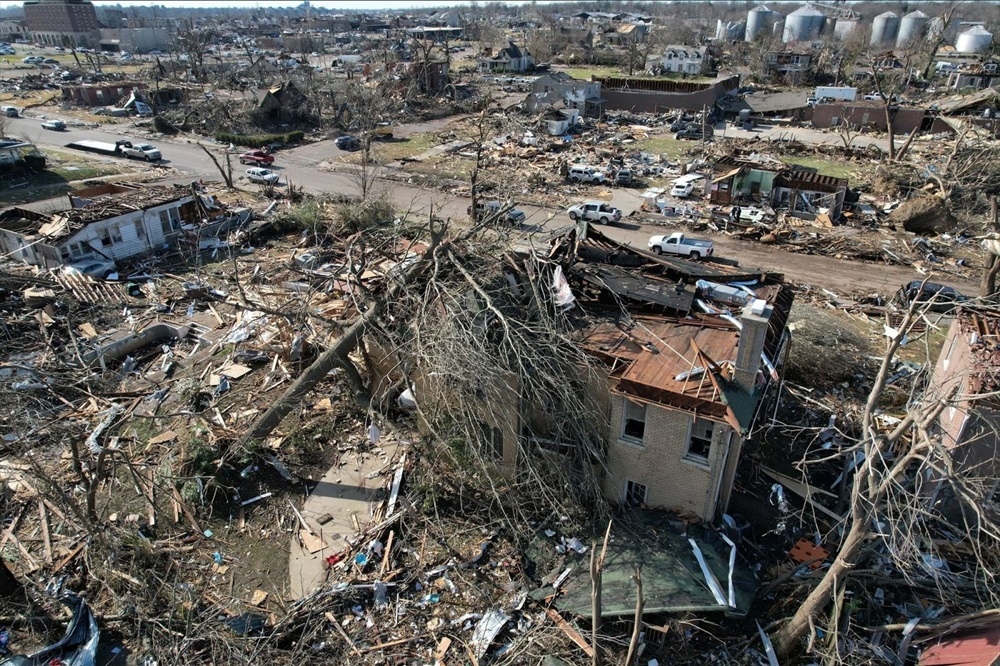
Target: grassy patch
(411,146)
(824,166)
(586,72)
(664,145)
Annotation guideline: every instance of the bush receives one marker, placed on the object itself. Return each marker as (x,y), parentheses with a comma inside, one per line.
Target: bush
(365,215)
(258,140)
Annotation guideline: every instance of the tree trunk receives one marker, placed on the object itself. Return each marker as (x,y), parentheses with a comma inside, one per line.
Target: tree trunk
(887,103)
(633,645)
(793,630)
(335,355)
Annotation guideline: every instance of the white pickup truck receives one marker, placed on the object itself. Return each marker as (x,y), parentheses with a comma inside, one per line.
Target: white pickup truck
(142,151)
(676,243)
(595,211)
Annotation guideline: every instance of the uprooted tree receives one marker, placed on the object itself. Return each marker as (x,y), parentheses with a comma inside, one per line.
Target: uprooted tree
(910,496)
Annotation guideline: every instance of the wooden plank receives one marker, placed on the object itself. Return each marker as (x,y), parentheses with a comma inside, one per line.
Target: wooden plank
(397,480)
(69,557)
(311,542)
(572,633)
(398,641)
(442,650)
(385,555)
(43,520)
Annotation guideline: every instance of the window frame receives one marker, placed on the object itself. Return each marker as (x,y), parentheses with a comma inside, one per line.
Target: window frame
(695,434)
(631,489)
(625,436)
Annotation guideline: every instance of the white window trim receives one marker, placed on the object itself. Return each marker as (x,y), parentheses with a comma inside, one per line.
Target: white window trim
(645,494)
(627,439)
(697,461)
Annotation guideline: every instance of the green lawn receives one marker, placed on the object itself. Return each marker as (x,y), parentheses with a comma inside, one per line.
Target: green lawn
(596,70)
(825,167)
(665,145)
(61,169)
(411,146)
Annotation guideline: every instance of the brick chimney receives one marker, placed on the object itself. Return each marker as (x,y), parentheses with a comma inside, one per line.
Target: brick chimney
(755,316)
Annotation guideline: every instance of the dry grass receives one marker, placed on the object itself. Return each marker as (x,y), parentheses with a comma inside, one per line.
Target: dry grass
(828,346)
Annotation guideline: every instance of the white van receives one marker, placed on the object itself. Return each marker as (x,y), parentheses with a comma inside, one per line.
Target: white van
(581,173)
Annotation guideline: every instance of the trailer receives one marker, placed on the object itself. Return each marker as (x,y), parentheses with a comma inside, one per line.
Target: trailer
(835,93)
(102,147)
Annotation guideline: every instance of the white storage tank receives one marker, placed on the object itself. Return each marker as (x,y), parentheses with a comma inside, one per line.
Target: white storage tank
(912,26)
(976,39)
(885,27)
(804,24)
(759,19)
(779,27)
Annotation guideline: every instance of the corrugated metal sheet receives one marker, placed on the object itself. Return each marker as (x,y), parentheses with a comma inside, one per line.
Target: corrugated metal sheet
(981,648)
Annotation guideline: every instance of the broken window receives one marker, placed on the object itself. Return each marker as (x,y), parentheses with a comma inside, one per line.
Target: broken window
(633,421)
(110,235)
(635,493)
(700,443)
(140,229)
(170,221)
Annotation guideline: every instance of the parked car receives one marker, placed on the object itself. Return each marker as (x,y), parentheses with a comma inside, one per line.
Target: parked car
(9,111)
(56,125)
(33,60)
(263,176)
(92,266)
(682,190)
(694,133)
(677,243)
(595,211)
(348,142)
(256,157)
(933,296)
(513,215)
(142,151)
(623,177)
(581,173)
(50,61)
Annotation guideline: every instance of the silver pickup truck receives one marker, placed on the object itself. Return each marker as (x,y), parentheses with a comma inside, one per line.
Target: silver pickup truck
(677,243)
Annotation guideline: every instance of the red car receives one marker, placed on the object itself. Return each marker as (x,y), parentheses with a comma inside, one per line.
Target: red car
(256,157)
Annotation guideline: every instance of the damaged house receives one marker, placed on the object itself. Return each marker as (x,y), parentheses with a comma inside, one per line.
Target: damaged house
(969,366)
(679,365)
(584,96)
(511,58)
(115,222)
(803,192)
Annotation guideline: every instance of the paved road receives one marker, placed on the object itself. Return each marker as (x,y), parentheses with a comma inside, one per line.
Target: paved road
(299,166)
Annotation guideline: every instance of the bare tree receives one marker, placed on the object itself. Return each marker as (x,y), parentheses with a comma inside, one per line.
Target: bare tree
(892,514)
(368,105)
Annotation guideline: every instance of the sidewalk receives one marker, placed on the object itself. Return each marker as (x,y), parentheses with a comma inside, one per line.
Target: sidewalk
(345,492)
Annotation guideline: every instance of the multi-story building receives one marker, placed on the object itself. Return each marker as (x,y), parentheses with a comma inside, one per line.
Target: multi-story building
(63,22)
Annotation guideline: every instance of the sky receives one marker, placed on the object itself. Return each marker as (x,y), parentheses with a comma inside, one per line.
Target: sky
(359,5)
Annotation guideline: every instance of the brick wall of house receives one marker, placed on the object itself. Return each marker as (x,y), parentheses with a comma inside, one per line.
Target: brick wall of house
(672,482)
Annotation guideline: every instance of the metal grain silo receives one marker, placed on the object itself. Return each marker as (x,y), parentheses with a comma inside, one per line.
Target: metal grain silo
(885,27)
(844,27)
(976,39)
(803,24)
(912,26)
(759,19)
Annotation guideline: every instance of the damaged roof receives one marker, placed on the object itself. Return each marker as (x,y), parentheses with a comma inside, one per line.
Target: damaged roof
(983,331)
(113,204)
(672,578)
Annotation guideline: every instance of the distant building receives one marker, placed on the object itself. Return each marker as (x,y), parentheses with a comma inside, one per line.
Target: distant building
(789,65)
(63,22)
(511,58)
(979,76)
(12,30)
(680,59)
(584,96)
(135,40)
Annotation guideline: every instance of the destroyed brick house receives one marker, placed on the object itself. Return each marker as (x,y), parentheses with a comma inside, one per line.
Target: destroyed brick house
(99,94)
(115,222)
(802,191)
(969,365)
(789,66)
(678,380)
